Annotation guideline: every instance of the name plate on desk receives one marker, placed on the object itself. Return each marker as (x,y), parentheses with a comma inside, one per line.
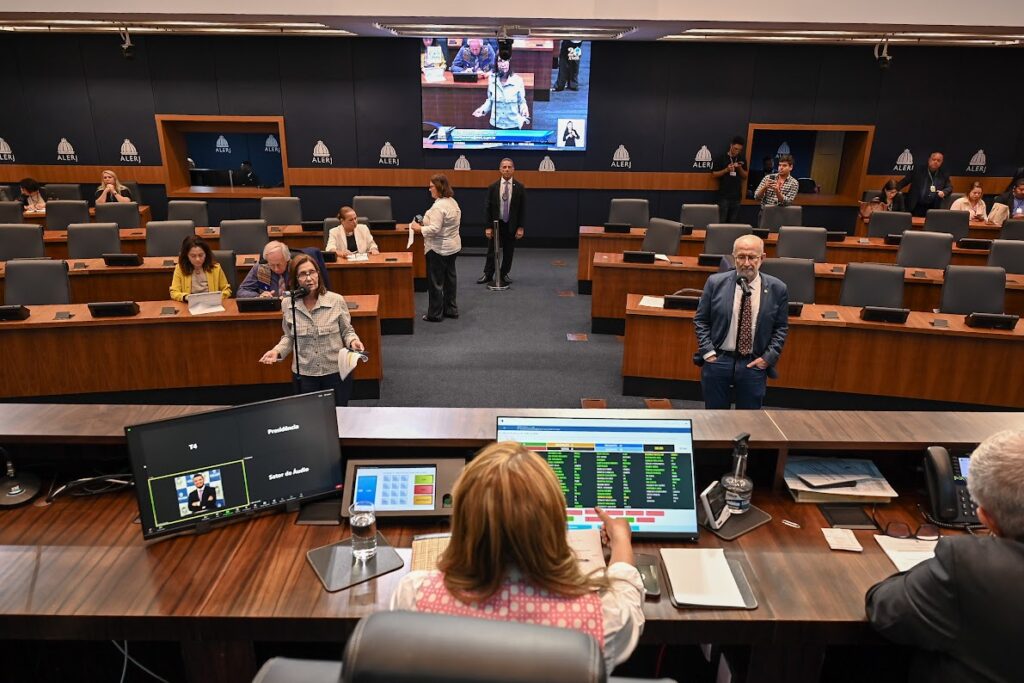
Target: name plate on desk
(13,312)
(617,228)
(113,309)
(682,302)
(638,257)
(893,238)
(974,243)
(884,314)
(835,236)
(795,309)
(714,260)
(763,233)
(995,321)
(258,304)
(122,259)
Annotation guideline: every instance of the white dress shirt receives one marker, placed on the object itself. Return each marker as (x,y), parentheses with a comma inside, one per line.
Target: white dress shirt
(755,305)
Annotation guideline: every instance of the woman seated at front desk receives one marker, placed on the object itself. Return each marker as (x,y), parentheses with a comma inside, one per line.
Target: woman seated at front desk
(197,272)
(111,190)
(33,196)
(350,237)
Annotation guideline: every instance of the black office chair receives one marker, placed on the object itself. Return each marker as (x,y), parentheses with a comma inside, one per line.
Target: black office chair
(950,198)
(872,284)
(699,216)
(134,190)
(11,213)
(922,249)
(774,217)
(1013,229)
(226,259)
(93,240)
(182,210)
(973,289)
(125,215)
(635,212)
(884,223)
(280,210)
(65,191)
(61,213)
(436,648)
(37,282)
(956,223)
(870,195)
(21,240)
(719,237)
(372,208)
(1008,255)
(797,242)
(662,237)
(246,236)
(797,273)
(331,223)
(807,185)
(164,238)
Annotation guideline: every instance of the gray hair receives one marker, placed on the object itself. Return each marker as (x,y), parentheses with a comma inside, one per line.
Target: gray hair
(994,480)
(508,160)
(272,245)
(758,243)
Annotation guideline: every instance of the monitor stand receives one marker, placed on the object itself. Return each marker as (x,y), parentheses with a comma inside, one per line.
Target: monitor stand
(325,512)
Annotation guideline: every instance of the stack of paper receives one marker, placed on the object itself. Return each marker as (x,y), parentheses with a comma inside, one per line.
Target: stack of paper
(653,301)
(906,553)
(836,480)
(701,577)
(207,302)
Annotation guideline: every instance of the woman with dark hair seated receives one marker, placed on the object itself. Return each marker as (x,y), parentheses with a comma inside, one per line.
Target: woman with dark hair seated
(509,558)
(197,271)
(324,328)
(33,196)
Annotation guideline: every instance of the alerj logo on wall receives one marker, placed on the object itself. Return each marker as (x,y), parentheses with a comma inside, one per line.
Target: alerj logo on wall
(129,154)
(702,159)
(978,163)
(65,151)
(620,159)
(222,146)
(272,145)
(462,163)
(321,154)
(546,164)
(904,162)
(388,155)
(6,153)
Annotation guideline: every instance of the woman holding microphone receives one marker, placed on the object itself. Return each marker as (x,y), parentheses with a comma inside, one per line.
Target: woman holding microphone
(442,243)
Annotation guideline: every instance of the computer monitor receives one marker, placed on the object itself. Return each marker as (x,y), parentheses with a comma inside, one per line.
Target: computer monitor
(638,468)
(218,466)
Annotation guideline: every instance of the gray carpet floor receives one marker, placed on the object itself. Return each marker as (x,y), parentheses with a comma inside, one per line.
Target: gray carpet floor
(508,349)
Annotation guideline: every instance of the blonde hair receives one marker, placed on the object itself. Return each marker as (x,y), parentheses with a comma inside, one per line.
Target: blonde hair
(117,182)
(509,510)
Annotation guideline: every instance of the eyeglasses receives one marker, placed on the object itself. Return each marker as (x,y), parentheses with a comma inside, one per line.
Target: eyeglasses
(925,532)
(306,275)
(744,258)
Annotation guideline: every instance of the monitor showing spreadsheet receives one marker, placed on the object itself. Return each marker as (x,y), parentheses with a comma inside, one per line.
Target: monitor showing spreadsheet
(641,469)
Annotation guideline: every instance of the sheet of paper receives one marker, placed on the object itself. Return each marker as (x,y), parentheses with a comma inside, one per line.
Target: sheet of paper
(586,543)
(347,360)
(661,257)
(207,302)
(906,553)
(357,257)
(412,236)
(869,481)
(842,539)
(433,74)
(701,577)
(653,301)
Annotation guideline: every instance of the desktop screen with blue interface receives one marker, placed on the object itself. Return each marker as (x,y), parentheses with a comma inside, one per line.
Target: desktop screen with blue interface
(639,469)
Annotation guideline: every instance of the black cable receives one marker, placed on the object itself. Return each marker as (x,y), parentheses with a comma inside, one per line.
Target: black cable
(124,479)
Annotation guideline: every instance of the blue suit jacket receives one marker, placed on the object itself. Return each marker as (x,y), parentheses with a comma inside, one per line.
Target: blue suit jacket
(714,315)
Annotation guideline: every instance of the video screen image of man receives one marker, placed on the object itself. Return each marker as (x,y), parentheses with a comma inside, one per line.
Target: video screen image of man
(201,496)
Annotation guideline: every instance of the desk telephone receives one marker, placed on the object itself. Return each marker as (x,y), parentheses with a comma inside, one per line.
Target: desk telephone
(946,477)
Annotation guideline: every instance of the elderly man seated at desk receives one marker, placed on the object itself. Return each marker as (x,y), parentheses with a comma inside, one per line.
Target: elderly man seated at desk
(962,607)
(474,57)
(270,278)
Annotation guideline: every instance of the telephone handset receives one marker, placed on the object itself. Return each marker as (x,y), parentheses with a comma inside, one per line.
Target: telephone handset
(946,477)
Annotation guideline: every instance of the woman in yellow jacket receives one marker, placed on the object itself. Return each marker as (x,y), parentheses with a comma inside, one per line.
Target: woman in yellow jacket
(197,271)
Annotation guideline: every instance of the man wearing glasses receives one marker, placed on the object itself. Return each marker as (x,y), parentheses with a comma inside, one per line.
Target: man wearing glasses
(741,325)
(962,608)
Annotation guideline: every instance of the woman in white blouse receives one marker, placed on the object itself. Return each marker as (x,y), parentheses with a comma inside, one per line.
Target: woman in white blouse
(442,243)
(350,236)
(972,203)
(509,558)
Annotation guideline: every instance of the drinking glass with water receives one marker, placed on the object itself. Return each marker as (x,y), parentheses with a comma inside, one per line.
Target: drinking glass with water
(363,520)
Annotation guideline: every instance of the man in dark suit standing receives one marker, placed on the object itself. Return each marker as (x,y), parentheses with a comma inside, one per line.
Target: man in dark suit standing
(505,203)
(928,186)
(204,497)
(741,324)
(961,608)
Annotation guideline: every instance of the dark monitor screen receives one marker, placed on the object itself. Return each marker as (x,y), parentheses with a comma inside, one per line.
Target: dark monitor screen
(215,466)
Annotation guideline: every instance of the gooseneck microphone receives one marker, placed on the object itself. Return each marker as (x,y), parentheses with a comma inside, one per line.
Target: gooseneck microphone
(300,291)
(744,285)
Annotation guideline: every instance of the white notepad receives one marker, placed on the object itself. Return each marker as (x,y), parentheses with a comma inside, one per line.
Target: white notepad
(906,553)
(207,302)
(701,577)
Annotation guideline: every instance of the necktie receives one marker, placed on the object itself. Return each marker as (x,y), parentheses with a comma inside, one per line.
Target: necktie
(745,333)
(505,195)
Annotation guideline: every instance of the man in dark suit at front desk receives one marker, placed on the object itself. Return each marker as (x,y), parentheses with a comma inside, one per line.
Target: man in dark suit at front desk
(928,186)
(741,325)
(962,608)
(204,497)
(505,203)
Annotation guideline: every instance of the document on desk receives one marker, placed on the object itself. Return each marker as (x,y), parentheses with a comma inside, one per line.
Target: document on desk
(836,480)
(661,257)
(653,301)
(906,553)
(701,577)
(207,302)
(357,257)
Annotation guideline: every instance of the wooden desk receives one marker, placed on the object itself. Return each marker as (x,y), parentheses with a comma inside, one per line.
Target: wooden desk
(47,357)
(39,217)
(593,239)
(386,275)
(978,229)
(395,240)
(847,355)
(614,279)
(133,241)
(452,103)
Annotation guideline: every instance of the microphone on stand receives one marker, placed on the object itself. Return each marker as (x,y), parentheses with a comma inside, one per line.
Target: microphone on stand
(744,285)
(300,291)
